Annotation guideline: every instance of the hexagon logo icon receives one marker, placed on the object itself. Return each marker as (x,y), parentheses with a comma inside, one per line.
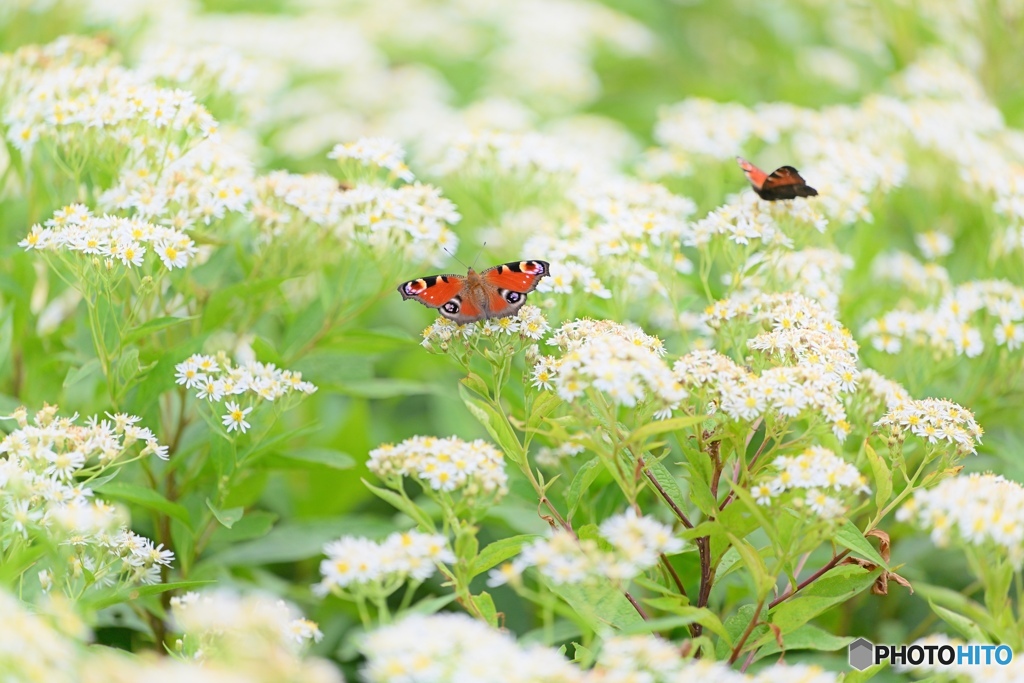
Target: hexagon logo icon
(862,654)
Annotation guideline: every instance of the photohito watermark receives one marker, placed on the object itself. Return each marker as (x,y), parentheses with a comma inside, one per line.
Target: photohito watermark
(864,653)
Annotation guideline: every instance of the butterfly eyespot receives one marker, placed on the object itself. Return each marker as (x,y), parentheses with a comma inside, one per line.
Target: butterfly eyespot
(450,307)
(513,297)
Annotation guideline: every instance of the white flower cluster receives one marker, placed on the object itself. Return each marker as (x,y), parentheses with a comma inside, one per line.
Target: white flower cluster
(620,230)
(528,324)
(103,108)
(455,647)
(955,325)
(38,647)
(815,474)
(984,510)
(208,70)
(905,270)
(41,497)
(876,395)
(409,220)
(531,154)
(250,621)
(748,219)
(622,362)
(636,545)
(381,152)
(935,420)
(648,658)
(215,378)
(831,142)
(110,239)
(354,564)
(813,357)
(815,273)
(209,182)
(473,468)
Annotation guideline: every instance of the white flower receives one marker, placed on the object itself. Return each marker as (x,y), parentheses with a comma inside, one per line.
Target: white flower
(235,417)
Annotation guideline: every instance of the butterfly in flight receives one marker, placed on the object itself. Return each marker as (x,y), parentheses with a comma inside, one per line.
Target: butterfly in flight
(783,183)
(497,292)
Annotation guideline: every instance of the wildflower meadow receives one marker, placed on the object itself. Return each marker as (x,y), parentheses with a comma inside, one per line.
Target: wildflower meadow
(655,413)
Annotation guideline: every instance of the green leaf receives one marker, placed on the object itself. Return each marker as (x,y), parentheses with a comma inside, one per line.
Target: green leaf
(849,536)
(763,580)
(836,586)
(432,605)
(601,605)
(293,541)
(476,383)
(662,426)
(137,592)
(147,498)
(304,327)
(79,374)
(543,405)
(967,627)
(314,456)
(153,326)
(403,505)
(585,476)
(499,551)
(667,482)
(385,387)
(495,423)
(807,637)
(254,524)
(685,615)
(486,604)
(882,475)
(184,543)
(228,517)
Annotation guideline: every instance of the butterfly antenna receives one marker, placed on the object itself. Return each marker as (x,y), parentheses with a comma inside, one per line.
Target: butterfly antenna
(454,257)
(477,258)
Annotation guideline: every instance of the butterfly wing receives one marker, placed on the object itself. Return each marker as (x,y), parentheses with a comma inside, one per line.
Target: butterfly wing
(786,183)
(446,293)
(507,285)
(783,183)
(755,175)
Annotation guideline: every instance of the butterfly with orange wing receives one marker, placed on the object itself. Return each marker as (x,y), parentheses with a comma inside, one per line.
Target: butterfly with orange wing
(497,292)
(783,183)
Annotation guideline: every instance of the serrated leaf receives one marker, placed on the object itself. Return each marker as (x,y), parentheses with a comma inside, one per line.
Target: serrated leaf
(849,536)
(485,603)
(600,604)
(836,586)
(882,475)
(499,551)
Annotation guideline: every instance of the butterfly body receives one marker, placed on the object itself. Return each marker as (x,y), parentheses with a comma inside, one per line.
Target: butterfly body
(497,292)
(784,182)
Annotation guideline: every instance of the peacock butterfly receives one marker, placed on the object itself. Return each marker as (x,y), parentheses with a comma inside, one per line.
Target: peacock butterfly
(783,183)
(497,292)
